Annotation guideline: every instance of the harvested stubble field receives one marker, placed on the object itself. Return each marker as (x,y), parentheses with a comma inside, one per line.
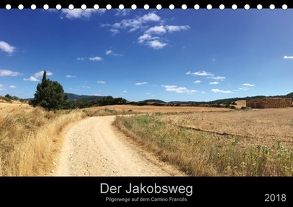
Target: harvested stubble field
(133,109)
(261,125)
(30,138)
(241,143)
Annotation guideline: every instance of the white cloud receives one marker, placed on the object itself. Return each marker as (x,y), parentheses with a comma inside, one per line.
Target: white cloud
(114,31)
(199,73)
(134,24)
(246,87)
(31,78)
(70,76)
(80,58)
(209,75)
(144,23)
(40,74)
(141,83)
(220,91)
(109,52)
(97,58)
(152,42)
(125,91)
(80,13)
(162,29)
(178,89)
(5,47)
(219,78)
(2,87)
(156,44)
(146,37)
(123,12)
(156,30)
(288,57)
(248,84)
(101,82)
(197,81)
(176,28)
(37,76)
(12,86)
(5,72)
(150,17)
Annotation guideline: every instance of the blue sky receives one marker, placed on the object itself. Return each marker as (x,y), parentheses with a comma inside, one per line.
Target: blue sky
(170,55)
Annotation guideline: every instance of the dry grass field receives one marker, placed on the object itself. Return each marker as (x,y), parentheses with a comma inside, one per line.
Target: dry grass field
(263,126)
(30,138)
(133,109)
(237,143)
(199,140)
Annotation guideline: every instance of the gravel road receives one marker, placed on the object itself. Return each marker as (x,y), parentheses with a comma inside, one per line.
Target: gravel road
(93,147)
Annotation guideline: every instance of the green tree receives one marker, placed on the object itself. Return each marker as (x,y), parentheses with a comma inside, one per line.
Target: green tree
(8,96)
(49,94)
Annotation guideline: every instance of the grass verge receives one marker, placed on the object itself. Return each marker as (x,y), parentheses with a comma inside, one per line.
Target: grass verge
(30,139)
(207,154)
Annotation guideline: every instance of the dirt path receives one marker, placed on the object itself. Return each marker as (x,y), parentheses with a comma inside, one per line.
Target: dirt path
(93,147)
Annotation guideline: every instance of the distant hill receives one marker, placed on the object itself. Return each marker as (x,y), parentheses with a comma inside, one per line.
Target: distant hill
(290,95)
(218,102)
(82,101)
(73,97)
(152,102)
